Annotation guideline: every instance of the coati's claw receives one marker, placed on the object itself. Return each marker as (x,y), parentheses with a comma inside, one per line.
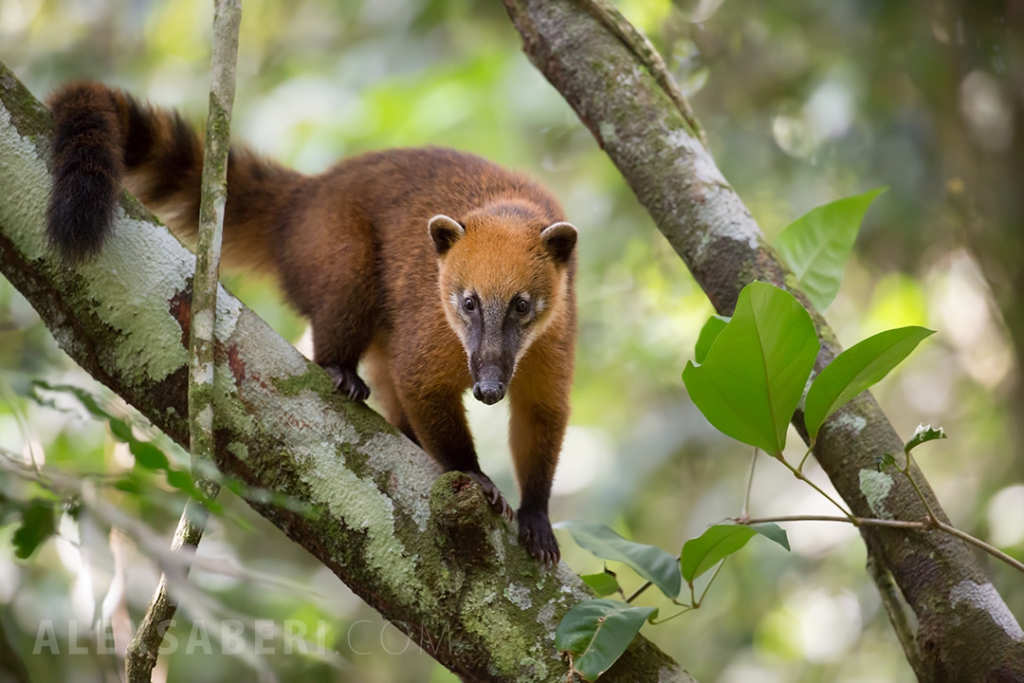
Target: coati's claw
(493,495)
(348,382)
(537,537)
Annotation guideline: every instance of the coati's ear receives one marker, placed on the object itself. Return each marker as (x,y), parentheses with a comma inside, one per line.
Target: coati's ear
(559,239)
(445,232)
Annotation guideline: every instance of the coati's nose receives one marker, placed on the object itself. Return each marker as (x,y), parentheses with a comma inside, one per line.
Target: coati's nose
(489,392)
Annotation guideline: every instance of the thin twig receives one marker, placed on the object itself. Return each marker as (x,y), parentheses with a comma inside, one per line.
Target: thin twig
(704,592)
(800,475)
(750,485)
(142,651)
(800,467)
(894,607)
(928,525)
(635,594)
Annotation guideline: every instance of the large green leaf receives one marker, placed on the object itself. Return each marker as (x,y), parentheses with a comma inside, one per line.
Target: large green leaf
(654,564)
(597,632)
(755,372)
(856,369)
(718,542)
(817,244)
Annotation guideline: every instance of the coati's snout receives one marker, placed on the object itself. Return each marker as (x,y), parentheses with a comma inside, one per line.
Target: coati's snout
(489,392)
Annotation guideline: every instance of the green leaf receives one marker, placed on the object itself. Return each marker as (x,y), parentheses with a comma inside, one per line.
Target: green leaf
(90,402)
(597,632)
(180,480)
(147,455)
(817,245)
(884,462)
(38,523)
(772,532)
(718,542)
(754,374)
(654,564)
(708,334)
(121,431)
(923,434)
(603,583)
(856,369)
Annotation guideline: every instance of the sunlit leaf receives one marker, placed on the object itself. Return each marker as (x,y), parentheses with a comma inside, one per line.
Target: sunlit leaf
(817,245)
(38,522)
(597,632)
(602,583)
(718,542)
(654,564)
(708,334)
(755,372)
(923,434)
(855,370)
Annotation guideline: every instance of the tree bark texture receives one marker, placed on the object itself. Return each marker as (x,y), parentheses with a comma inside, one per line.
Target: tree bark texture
(965,630)
(426,552)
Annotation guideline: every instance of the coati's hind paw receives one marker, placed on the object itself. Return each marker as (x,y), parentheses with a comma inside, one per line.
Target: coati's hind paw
(537,537)
(493,495)
(348,382)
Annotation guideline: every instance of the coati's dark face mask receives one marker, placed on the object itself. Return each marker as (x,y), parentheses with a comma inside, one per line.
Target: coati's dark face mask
(495,333)
(501,286)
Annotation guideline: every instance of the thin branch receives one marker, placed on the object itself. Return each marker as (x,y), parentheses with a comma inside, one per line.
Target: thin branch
(928,525)
(636,594)
(806,455)
(750,485)
(142,651)
(889,593)
(802,477)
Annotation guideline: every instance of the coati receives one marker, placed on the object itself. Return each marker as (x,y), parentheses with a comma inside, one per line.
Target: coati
(438,269)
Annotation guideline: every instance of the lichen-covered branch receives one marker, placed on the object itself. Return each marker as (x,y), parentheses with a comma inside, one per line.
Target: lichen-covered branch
(965,631)
(424,551)
(141,654)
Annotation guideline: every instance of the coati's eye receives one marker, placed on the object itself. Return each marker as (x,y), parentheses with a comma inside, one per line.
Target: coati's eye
(469,304)
(522,306)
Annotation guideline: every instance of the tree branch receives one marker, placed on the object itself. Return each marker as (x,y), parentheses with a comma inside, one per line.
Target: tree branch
(426,552)
(674,176)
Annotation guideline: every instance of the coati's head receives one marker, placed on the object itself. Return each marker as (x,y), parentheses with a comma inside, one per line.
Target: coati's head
(504,279)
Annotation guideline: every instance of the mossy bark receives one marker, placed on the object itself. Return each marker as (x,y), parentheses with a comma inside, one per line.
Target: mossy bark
(965,631)
(342,483)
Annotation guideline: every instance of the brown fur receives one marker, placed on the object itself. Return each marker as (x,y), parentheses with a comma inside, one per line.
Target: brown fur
(352,251)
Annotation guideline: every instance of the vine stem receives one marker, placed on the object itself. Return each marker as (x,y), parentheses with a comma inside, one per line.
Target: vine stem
(141,655)
(750,484)
(928,525)
(800,475)
(636,594)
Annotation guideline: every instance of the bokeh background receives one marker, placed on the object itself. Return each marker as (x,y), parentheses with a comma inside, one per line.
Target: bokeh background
(804,102)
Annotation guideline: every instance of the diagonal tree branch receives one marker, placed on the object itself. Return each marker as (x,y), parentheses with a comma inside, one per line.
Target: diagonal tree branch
(965,631)
(427,553)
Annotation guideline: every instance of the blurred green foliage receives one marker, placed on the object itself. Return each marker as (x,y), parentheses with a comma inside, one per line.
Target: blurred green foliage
(804,102)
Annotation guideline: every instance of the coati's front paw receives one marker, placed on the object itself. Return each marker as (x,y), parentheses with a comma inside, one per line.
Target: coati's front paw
(493,495)
(348,382)
(537,537)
